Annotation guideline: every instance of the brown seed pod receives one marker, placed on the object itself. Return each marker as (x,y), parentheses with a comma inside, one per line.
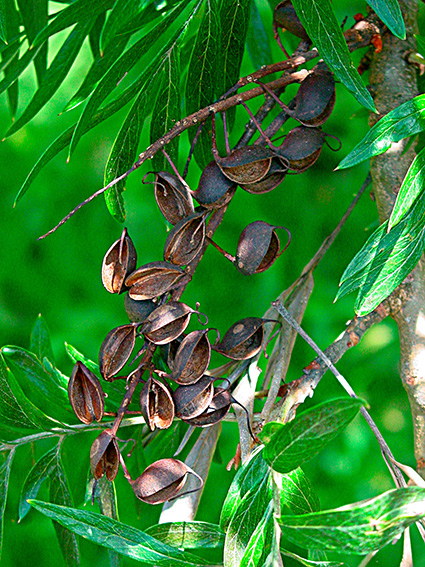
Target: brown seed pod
(274,178)
(119,261)
(185,240)
(192,358)
(167,322)
(156,404)
(137,311)
(315,99)
(162,481)
(191,401)
(216,411)
(302,147)
(285,17)
(172,196)
(215,189)
(153,280)
(105,456)
(86,394)
(243,340)
(246,165)
(116,349)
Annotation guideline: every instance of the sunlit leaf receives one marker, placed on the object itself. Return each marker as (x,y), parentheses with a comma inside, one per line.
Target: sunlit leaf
(296,492)
(259,544)
(4,486)
(40,343)
(19,68)
(10,55)
(309,562)
(34,17)
(319,20)
(389,12)
(188,535)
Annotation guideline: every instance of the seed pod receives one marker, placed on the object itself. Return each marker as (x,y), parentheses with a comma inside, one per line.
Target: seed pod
(246,165)
(192,358)
(156,404)
(285,17)
(167,322)
(274,178)
(258,248)
(185,240)
(119,261)
(173,197)
(191,401)
(153,280)
(215,189)
(315,99)
(137,311)
(216,411)
(116,349)
(104,456)
(302,147)
(243,340)
(86,394)
(162,481)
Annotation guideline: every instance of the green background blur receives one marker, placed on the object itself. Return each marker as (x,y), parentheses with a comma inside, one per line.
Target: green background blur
(60,278)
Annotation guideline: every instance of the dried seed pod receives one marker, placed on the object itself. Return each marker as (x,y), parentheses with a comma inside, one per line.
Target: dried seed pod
(215,189)
(243,340)
(285,17)
(119,261)
(274,178)
(162,481)
(137,311)
(192,358)
(105,456)
(258,248)
(156,404)
(153,280)
(173,197)
(216,411)
(86,394)
(302,147)
(246,165)
(167,322)
(116,349)
(315,99)
(185,240)
(191,401)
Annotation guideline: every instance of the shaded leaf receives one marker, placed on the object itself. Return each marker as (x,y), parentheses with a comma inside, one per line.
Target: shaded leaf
(3,33)
(40,343)
(18,68)
(420,41)
(122,12)
(10,55)
(297,493)
(257,41)
(302,438)
(359,528)
(4,485)
(406,120)
(389,12)
(259,544)
(34,18)
(94,35)
(309,562)
(188,535)
(118,536)
(321,24)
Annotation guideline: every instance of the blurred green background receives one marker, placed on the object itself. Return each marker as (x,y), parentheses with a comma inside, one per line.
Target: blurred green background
(60,278)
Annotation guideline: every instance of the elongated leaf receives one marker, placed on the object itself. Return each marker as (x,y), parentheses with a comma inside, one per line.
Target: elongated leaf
(309,562)
(406,120)
(122,12)
(319,20)
(302,438)
(41,344)
(76,356)
(19,68)
(94,35)
(203,80)
(420,40)
(359,528)
(34,17)
(4,486)
(259,544)
(390,13)
(120,537)
(412,186)
(257,40)
(297,493)
(3,32)
(188,535)
(10,55)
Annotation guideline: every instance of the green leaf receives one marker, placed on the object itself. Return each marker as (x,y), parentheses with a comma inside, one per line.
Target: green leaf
(41,344)
(406,120)
(55,74)
(122,12)
(302,438)
(203,79)
(118,536)
(420,41)
(319,20)
(188,535)
(297,493)
(259,544)
(309,562)
(4,485)
(94,35)
(389,12)
(257,40)
(359,528)
(106,497)
(3,32)
(76,356)
(18,68)
(34,17)
(10,55)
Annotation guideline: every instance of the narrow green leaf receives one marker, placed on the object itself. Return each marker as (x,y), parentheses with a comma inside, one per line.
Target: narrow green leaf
(122,12)
(3,32)
(359,528)
(309,562)
(389,12)
(302,438)
(259,544)
(76,356)
(203,79)
(420,41)
(412,186)
(118,536)
(34,17)
(4,485)
(257,39)
(406,120)
(94,35)
(19,68)
(41,344)
(106,497)
(10,55)
(297,493)
(188,535)
(319,20)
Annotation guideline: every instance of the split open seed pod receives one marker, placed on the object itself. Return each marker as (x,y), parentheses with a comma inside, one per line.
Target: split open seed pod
(243,340)
(86,394)
(156,404)
(167,322)
(116,349)
(215,189)
(246,165)
(119,261)
(315,99)
(105,456)
(274,178)
(216,411)
(185,240)
(173,197)
(153,280)
(162,481)
(192,358)
(137,311)
(286,18)
(302,147)
(191,401)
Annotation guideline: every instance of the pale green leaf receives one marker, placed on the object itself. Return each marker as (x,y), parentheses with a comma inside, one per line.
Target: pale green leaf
(296,492)
(188,535)
(309,562)
(389,12)
(259,544)
(40,343)
(4,486)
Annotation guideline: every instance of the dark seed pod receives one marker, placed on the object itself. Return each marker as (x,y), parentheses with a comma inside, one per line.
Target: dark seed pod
(105,456)
(192,358)
(153,280)
(315,99)
(137,311)
(173,197)
(243,340)
(172,349)
(274,178)
(246,165)
(167,322)
(216,411)
(86,394)
(116,350)
(191,401)
(302,147)
(285,17)
(156,404)
(258,248)
(119,261)
(162,481)
(185,240)
(215,189)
